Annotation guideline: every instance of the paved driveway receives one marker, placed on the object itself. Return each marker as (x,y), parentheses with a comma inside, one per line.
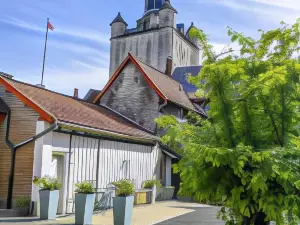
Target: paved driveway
(160,213)
(200,216)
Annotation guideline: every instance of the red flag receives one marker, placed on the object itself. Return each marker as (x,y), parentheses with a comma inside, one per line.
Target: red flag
(50,26)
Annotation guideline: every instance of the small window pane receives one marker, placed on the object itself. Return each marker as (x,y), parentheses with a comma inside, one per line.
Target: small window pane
(150,4)
(158,4)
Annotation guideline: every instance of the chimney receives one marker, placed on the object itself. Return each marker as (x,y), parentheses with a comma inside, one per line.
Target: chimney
(75,93)
(169,66)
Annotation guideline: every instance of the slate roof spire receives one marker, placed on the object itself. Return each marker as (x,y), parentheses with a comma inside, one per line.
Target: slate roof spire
(119,18)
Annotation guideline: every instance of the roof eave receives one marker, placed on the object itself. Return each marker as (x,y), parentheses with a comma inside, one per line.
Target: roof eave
(189,109)
(105,133)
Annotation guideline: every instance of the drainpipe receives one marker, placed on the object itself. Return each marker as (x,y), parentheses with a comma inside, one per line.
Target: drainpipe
(14,149)
(162,105)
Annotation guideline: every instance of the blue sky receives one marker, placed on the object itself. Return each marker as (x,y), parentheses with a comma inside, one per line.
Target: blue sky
(78,48)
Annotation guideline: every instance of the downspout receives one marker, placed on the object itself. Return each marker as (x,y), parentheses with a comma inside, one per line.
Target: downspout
(14,149)
(162,105)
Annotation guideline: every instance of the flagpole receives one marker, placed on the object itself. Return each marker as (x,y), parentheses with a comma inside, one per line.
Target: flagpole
(45,52)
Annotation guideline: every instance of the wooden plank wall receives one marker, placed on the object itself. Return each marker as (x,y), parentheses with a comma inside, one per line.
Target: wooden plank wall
(22,127)
(117,160)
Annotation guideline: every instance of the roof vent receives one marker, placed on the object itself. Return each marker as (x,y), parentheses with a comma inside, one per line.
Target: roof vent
(41,86)
(6,75)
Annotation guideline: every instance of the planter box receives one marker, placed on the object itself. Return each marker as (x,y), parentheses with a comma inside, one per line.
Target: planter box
(168,193)
(20,212)
(163,193)
(48,204)
(23,211)
(123,210)
(142,196)
(84,206)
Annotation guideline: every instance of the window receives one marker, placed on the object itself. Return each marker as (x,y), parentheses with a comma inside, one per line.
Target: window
(158,4)
(146,24)
(150,4)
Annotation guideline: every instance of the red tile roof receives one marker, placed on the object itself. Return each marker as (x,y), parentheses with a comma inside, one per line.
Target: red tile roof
(74,111)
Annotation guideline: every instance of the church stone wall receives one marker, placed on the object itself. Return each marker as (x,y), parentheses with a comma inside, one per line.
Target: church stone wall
(152,47)
(131,96)
(184,53)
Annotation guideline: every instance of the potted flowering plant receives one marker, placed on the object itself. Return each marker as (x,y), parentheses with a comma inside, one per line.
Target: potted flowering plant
(152,184)
(22,205)
(123,202)
(84,202)
(49,194)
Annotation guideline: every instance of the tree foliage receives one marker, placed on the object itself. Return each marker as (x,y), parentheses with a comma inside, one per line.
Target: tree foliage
(248,153)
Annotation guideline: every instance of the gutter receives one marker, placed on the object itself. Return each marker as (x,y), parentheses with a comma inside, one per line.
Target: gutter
(14,149)
(91,130)
(169,150)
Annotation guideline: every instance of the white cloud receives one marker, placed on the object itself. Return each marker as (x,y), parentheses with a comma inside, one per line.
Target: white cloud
(91,35)
(289,4)
(270,10)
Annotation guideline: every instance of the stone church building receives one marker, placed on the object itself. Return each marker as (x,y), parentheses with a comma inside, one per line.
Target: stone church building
(155,38)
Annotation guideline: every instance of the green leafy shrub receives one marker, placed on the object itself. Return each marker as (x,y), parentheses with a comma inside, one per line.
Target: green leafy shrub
(150,184)
(85,187)
(47,183)
(124,187)
(22,202)
(247,154)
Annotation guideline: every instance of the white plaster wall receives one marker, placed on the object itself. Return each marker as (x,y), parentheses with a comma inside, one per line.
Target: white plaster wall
(44,148)
(60,142)
(42,155)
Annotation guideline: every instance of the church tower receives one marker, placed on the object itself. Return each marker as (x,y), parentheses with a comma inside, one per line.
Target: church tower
(155,40)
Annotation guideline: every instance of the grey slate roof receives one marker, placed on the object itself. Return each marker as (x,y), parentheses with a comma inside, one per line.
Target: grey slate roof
(180,74)
(91,95)
(119,18)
